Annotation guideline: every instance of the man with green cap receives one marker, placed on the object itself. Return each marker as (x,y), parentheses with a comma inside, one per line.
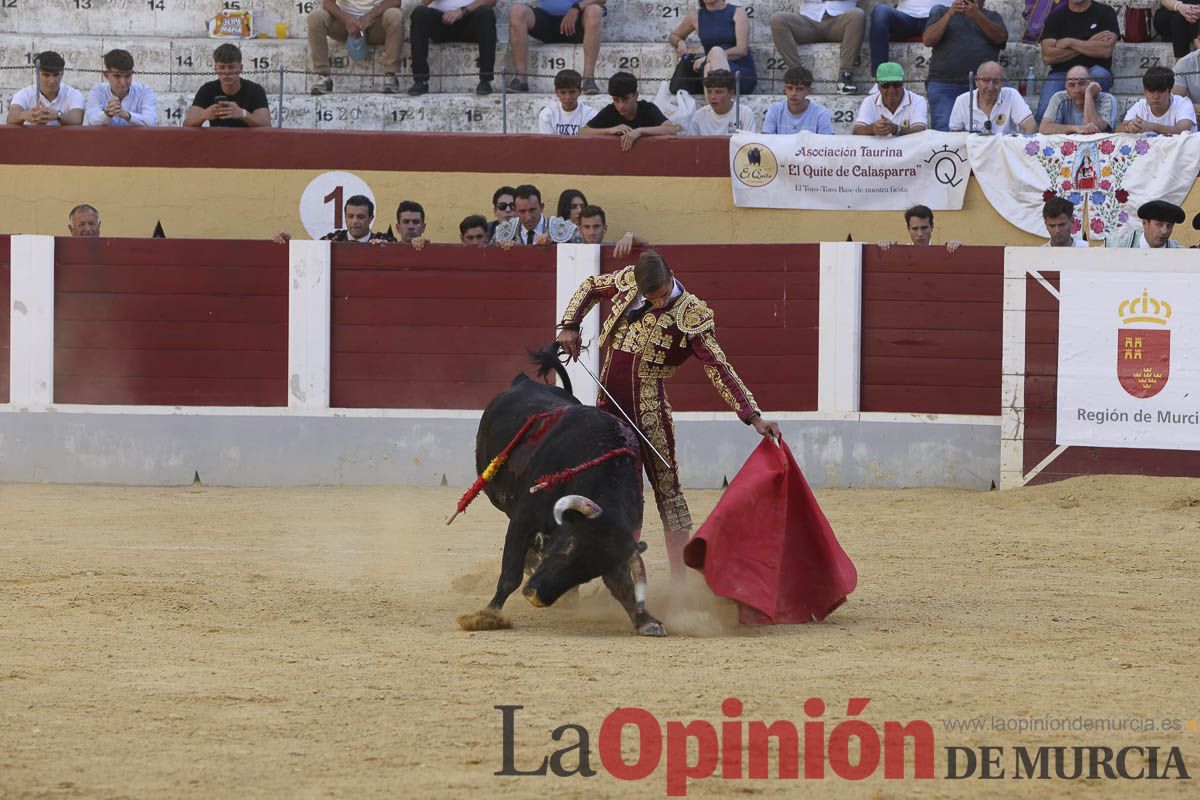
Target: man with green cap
(892,110)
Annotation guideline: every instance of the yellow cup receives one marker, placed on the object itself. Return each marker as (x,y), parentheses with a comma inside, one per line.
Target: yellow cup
(280,30)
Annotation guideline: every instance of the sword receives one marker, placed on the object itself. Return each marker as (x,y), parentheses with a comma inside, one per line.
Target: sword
(617,405)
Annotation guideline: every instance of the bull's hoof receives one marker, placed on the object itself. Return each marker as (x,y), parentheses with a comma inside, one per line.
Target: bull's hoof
(651,628)
(483,620)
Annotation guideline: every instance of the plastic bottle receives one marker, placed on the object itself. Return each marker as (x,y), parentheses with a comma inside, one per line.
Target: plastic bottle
(1028,86)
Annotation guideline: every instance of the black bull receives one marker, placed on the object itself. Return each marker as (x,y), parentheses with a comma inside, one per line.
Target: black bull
(577,531)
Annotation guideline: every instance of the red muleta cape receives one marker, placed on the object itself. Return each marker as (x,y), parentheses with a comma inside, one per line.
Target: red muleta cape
(768,546)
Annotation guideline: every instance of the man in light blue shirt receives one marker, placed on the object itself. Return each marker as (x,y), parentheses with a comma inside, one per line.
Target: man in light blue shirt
(797,113)
(1080,108)
(118,100)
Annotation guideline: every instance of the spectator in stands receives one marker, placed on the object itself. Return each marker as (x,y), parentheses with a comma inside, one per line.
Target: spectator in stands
(410,223)
(797,113)
(1059,216)
(378,21)
(627,116)
(1187,78)
(50,101)
(998,109)
(720,117)
(829,21)
(894,110)
(919,221)
(556,22)
(1080,108)
(531,227)
(1178,21)
(1159,111)
(1080,34)
(1159,219)
(84,220)
(230,101)
(453,21)
(359,216)
(570,203)
(963,37)
(503,207)
(724,32)
(473,231)
(567,115)
(593,227)
(906,20)
(118,100)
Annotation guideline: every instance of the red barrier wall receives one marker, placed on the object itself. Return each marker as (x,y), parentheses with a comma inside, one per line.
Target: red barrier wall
(446,327)
(170,322)
(765,298)
(1041,405)
(5,306)
(932,329)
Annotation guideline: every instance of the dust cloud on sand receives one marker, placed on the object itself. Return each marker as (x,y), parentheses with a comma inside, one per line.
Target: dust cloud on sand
(198,643)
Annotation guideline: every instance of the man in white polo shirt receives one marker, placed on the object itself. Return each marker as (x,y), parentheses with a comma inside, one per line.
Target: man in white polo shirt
(893,111)
(51,102)
(720,117)
(1159,111)
(998,109)
(1059,216)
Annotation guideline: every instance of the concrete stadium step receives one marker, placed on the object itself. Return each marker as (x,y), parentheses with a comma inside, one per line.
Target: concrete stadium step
(460,113)
(184,63)
(625,21)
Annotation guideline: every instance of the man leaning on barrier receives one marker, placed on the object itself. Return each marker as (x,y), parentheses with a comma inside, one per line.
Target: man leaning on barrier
(531,227)
(1159,111)
(359,215)
(918,220)
(119,100)
(1080,108)
(230,101)
(379,22)
(593,227)
(627,116)
(49,101)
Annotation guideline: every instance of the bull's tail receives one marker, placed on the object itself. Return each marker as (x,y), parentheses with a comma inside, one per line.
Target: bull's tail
(546,359)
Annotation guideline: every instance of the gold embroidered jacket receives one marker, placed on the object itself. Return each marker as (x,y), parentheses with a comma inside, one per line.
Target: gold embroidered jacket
(662,339)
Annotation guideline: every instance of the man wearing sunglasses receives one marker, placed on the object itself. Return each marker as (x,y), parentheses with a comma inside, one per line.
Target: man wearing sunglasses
(997,109)
(893,111)
(504,206)
(1081,108)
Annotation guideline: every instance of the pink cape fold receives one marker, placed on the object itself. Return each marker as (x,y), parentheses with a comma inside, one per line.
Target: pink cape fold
(768,546)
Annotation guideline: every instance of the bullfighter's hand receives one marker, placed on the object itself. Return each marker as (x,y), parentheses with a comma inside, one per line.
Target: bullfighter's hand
(569,341)
(766,428)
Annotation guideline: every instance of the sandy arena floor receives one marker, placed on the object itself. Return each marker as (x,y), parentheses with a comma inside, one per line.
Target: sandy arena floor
(241,643)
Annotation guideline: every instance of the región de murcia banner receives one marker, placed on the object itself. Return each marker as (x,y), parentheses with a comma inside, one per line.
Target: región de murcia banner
(1129,360)
(864,173)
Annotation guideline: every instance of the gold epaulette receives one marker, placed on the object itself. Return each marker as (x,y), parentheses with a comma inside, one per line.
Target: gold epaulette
(694,316)
(624,279)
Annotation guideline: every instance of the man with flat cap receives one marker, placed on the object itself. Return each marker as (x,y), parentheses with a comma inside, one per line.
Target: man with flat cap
(1159,218)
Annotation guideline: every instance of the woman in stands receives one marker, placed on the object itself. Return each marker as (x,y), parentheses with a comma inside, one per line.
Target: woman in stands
(570,203)
(724,31)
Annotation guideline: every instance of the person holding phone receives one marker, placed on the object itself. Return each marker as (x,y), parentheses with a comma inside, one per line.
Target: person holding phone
(230,101)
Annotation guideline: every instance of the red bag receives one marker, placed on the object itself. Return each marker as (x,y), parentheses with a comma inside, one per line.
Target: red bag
(768,546)
(1137,25)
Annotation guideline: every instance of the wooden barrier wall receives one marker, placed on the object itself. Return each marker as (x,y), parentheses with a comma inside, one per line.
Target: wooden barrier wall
(932,325)
(5,306)
(1041,408)
(446,327)
(170,322)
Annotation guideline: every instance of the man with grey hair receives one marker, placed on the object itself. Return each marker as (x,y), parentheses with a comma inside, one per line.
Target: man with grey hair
(84,220)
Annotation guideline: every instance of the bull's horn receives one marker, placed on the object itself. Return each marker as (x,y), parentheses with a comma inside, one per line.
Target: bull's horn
(575,502)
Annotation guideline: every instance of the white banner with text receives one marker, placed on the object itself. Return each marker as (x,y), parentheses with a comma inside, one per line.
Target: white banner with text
(1129,360)
(837,173)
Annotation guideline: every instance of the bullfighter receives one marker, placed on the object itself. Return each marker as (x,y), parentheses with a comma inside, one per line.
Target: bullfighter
(656,325)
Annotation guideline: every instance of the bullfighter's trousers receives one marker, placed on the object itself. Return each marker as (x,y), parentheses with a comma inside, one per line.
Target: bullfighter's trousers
(645,401)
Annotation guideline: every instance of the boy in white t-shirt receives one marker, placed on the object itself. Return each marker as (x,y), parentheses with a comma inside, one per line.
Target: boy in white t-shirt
(720,117)
(50,102)
(567,116)
(1159,111)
